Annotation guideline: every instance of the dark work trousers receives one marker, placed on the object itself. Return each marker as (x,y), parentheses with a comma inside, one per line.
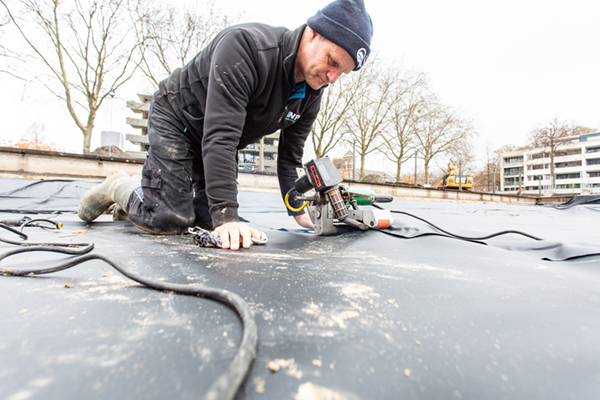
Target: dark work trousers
(172,196)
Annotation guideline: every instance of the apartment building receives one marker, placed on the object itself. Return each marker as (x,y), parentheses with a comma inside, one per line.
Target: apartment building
(261,156)
(576,168)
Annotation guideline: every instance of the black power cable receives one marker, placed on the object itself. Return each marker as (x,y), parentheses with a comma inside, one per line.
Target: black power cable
(86,246)
(227,385)
(452,235)
(27,221)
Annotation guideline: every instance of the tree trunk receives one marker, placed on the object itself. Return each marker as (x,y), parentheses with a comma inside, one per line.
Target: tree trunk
(552,175)
(87,131)
(87,138)
(261,154)
(319,151)
(362,165)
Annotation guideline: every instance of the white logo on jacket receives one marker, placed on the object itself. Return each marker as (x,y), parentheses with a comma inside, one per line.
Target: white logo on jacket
(292,117)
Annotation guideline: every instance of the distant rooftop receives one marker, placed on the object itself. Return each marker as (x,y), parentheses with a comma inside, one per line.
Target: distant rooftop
(588,136)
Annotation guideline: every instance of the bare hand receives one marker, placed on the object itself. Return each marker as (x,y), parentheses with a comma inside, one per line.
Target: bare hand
(304,221)
(230,233)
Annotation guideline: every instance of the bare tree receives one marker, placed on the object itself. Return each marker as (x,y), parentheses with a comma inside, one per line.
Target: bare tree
(491,180)
(175,35)
(488,178)
(462,152)
(368,115)
(441,132)
(328,129)
(6,54)
(577,130)
(550,138)
(86,48)
(483,179)
(35,134)
(399,139)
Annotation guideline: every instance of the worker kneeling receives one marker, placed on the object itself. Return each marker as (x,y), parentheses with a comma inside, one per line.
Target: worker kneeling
(250,81)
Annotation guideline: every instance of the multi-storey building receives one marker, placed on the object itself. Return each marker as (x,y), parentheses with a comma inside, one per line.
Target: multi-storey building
(261,156)
(142,107)
(345,166)
(576,168)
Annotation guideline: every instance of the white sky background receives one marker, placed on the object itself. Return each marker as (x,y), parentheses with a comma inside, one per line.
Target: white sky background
(510,66)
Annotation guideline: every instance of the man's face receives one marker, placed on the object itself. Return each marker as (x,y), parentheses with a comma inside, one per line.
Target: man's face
(324,62)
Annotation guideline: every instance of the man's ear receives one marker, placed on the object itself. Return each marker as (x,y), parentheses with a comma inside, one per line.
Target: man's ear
(311,34)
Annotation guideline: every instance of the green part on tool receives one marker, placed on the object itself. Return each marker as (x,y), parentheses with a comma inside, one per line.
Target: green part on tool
(363,196)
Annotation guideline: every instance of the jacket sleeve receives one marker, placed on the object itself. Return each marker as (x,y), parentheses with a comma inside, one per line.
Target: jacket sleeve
(291,150)
(231,81)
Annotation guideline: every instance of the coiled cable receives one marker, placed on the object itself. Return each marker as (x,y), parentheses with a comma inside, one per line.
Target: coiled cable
(227,385)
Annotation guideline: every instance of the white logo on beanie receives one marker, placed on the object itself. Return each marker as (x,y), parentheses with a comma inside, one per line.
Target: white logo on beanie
(361,57)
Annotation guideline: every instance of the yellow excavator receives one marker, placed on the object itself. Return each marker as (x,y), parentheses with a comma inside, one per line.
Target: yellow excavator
(452,178)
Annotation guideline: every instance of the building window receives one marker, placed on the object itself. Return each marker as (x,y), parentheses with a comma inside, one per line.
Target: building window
(592,149)
(512,181)
(594,174)
(568,152)
(538,166)
(513,171)
(513,160)
(568,164)
(569,186)
(593,161)
(575,175)
(539,155)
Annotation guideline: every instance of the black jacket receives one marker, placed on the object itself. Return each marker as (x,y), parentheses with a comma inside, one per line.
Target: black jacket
(233,93)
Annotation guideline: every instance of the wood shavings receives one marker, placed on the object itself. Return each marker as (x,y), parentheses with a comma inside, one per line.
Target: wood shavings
(259,384)
(273,366)
(310,391)
(289,364)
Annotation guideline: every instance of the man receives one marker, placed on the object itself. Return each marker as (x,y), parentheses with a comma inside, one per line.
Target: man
(250,81)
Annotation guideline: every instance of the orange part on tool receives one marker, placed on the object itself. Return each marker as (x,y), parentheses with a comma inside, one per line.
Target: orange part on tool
(383,223)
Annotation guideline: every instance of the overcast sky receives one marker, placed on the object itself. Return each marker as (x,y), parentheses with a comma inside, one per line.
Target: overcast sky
(510,66)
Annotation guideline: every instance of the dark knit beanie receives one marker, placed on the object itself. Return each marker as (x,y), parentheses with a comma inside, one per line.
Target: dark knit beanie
(347,24)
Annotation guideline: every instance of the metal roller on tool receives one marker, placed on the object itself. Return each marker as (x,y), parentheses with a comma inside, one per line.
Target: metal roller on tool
(332,203)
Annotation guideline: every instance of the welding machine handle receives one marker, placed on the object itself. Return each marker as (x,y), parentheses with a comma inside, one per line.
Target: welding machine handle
(383,198)
(366,197)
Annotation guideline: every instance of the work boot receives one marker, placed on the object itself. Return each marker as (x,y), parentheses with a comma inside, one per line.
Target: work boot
(122,191)
(99,198)
(119,214)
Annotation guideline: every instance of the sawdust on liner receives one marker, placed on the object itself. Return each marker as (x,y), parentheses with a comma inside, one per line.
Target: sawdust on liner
(310,391)
(259,384)
(289,364)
